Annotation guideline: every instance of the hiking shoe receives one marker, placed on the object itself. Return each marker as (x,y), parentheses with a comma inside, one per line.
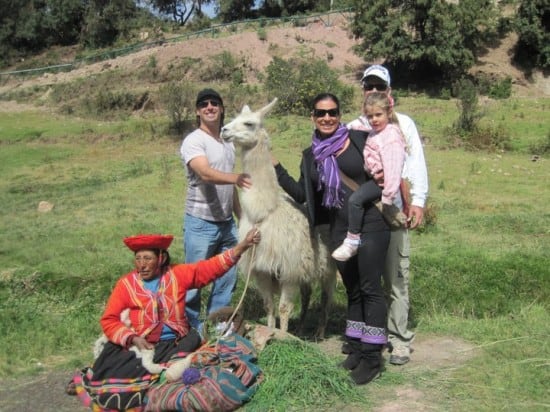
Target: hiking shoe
(344,252)
(346,348)
(400,355)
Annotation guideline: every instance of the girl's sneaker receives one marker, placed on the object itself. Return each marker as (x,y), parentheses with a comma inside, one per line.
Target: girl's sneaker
(346,250)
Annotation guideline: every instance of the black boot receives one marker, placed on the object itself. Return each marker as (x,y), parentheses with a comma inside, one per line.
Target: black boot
(354,354)
(370,366)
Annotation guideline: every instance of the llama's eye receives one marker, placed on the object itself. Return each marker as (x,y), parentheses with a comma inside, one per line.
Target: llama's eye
(249,124)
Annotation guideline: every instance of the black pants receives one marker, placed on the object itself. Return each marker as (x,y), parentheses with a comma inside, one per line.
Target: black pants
(362,277)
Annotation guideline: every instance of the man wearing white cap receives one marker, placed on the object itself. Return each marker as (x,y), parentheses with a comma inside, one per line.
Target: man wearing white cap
(396,275)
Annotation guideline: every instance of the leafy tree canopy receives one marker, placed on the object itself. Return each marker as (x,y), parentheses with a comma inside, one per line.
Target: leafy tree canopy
(435,38)
(533,28)
(180,10)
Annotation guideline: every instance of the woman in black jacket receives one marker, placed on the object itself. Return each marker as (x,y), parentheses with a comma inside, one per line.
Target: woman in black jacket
(334,151)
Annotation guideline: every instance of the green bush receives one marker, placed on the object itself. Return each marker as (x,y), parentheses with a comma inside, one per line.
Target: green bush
(262,34)
(106,101)
(494,86)
(222,67)
(542,147)
(177,99)
(487,138)
(468,104)
(296,82)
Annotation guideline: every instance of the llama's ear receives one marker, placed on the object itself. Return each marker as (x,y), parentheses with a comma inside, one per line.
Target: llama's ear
(245,109)
(266,109)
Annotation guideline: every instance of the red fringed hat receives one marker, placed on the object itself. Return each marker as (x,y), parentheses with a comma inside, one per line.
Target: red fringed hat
(140,242)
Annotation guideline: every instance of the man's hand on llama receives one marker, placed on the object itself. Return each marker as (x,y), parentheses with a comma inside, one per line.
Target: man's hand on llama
(244,181)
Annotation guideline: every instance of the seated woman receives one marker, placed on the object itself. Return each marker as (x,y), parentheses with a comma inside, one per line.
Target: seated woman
(154,294)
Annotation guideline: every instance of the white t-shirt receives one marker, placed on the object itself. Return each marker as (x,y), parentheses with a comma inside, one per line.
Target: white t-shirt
(206,200)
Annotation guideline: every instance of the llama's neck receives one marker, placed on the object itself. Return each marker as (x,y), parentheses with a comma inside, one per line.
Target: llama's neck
(258,201)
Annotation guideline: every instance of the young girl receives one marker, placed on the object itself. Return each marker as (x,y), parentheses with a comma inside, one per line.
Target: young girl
(384,150)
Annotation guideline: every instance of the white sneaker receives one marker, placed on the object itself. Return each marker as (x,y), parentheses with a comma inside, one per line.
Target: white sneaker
(344,252)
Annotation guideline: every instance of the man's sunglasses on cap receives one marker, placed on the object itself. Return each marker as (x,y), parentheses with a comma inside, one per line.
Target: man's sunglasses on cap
(381,87)
(204,104)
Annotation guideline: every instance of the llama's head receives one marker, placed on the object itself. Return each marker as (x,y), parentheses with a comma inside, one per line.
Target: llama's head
(246,130)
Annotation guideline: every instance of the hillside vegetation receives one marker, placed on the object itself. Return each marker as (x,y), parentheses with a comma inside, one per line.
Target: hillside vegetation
(100,144)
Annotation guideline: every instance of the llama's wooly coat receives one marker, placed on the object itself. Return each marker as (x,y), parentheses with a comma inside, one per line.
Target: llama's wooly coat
(288,258)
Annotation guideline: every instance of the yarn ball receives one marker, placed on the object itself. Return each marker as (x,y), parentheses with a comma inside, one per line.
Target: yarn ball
(190,376)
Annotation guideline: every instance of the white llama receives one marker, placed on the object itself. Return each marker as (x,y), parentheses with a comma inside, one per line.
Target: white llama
(290,257)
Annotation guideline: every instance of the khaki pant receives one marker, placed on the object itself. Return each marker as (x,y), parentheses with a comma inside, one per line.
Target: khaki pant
(396,284)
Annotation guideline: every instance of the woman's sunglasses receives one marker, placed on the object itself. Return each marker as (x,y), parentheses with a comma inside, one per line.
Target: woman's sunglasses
(323,112)
(204,104)
(379,87)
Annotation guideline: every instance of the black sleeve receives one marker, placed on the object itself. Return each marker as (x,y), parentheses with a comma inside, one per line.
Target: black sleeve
(296,189)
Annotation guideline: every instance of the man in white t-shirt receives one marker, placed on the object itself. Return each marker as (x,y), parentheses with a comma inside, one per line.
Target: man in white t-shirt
(209,227)
(396,275)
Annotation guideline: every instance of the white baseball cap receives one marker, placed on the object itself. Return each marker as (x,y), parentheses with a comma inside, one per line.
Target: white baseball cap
(379,71)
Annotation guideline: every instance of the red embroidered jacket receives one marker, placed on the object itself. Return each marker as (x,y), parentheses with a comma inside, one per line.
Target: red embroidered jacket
(130,293)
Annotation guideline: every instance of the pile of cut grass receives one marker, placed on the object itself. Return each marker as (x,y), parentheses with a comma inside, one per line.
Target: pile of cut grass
(298,377)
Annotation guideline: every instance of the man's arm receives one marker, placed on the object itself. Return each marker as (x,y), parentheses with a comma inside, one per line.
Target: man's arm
(202,168)
(415,171)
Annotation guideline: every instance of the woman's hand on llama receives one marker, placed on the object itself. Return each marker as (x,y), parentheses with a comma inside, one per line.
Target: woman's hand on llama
(244,181)
(253,237)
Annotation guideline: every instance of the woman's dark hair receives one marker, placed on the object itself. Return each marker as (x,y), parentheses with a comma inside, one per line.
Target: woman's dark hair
(325,96)
(167,260)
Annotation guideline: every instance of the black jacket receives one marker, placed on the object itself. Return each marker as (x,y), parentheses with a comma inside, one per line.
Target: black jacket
(305,191)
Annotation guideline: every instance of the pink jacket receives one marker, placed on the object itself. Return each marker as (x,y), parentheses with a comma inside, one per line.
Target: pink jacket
(386,151)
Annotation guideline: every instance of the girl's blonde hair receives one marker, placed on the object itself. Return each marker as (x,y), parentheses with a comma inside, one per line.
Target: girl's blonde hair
(384,102)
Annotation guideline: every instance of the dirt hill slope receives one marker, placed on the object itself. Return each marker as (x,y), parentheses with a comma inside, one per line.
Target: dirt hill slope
(326,38)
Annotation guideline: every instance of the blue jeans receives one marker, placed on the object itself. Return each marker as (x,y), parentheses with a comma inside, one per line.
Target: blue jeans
(203,239)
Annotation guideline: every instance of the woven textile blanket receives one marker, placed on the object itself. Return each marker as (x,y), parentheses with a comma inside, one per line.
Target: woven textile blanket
(229,377)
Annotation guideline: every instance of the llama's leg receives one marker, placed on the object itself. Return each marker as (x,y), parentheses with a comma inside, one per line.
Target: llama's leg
(265,286)
(327,292)
(286,304)
(305,292)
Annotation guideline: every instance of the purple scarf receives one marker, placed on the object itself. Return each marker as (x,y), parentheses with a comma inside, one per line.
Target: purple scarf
(324,152)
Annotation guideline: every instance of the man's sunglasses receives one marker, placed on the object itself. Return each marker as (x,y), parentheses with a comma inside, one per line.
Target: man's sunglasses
(379,87)
(204,104)
(323,112)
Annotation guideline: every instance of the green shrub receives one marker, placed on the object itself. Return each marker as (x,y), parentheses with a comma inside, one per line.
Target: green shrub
(297,81)
(241,94)
(262,34)
(107,101)
(501,89)
(222,67)
(468,105)
(177,99)
(542,147)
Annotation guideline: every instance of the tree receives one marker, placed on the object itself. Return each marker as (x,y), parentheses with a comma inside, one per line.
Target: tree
(180,10)
(232,10)
(533,28)
(278,8)
(29,26)
(106,20)
(433,37)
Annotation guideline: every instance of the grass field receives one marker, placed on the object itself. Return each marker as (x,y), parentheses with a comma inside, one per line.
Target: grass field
(480,268)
